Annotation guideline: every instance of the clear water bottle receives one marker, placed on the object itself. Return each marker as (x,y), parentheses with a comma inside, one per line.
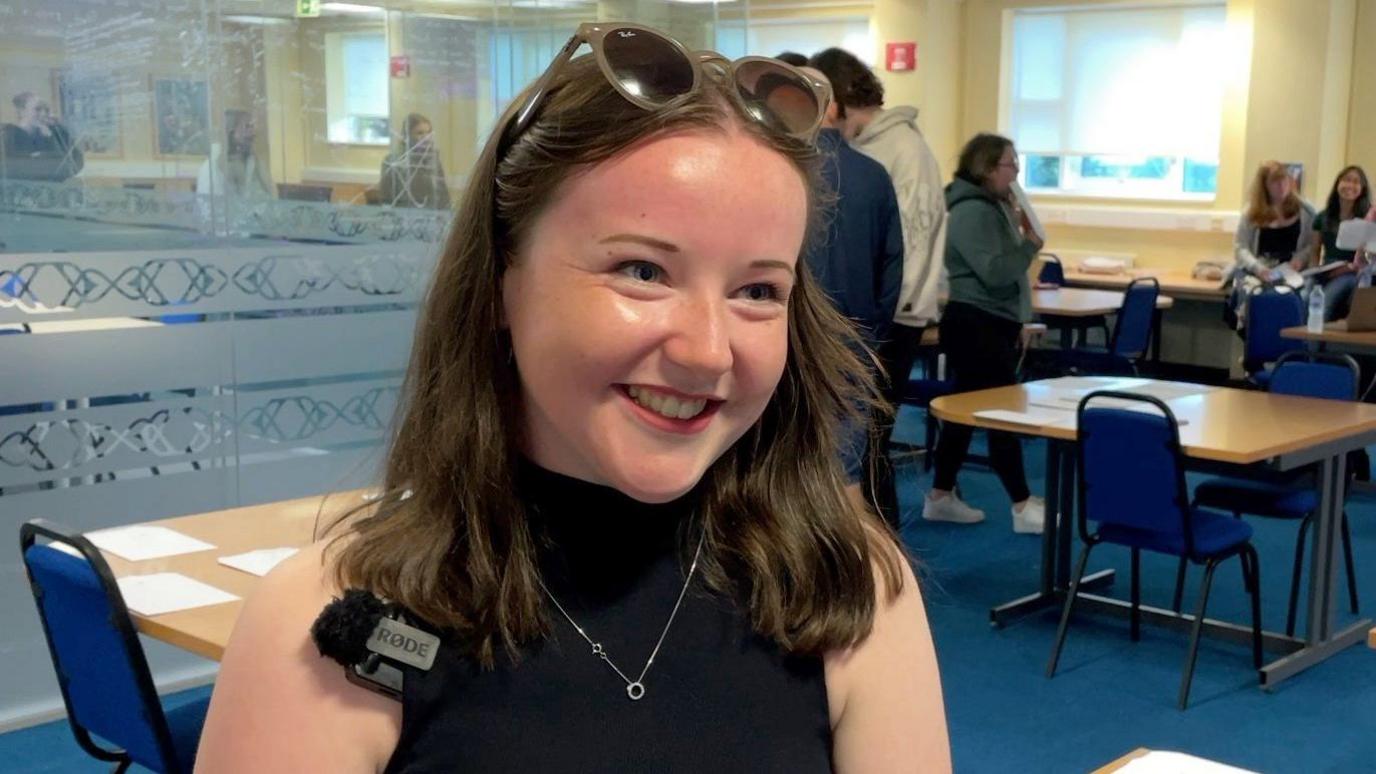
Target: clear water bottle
(1364,276)
(1316,309)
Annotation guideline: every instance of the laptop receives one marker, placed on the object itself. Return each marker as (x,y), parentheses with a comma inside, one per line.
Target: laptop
(1362,316)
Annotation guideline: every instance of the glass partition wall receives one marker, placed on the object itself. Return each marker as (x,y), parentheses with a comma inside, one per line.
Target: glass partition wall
(217,219)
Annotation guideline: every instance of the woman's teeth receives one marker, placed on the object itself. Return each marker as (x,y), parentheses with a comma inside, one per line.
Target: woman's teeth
(667,405)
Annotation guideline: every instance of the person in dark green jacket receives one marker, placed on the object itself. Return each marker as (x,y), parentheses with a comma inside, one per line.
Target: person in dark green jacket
(990,246)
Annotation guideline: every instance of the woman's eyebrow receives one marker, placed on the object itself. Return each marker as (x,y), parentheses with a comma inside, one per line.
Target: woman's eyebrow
(657,244)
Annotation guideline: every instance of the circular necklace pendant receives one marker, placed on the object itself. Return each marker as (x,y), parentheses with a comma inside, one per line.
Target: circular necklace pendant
(635,691)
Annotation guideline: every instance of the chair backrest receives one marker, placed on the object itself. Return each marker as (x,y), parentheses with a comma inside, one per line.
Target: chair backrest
(1052,272)
(1268,311)
(1131,474)
(1316,375)
(1132,331)
(101,667)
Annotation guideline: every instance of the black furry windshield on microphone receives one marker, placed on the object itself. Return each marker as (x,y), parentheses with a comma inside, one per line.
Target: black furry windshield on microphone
(344,626)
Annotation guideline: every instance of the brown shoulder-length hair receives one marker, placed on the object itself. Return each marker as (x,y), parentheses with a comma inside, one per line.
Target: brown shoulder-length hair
(981,156)
(780,534)
(1259,208)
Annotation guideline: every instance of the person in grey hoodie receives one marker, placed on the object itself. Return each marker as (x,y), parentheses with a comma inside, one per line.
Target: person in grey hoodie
(990,247)
(891,137)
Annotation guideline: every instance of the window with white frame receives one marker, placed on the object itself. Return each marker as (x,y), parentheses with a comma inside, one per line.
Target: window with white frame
(1123,102)
(770,37)
(356,104)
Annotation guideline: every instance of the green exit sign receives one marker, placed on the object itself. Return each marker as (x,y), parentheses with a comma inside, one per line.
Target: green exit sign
(307,8)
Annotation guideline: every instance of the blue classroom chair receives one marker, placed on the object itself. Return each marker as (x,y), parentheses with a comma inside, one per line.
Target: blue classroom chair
(101,668)
(1268,311)
(1132,486)
(1334,377)
(1132,332)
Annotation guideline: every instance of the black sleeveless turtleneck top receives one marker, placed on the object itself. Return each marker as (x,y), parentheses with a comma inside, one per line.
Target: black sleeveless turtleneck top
(718,697)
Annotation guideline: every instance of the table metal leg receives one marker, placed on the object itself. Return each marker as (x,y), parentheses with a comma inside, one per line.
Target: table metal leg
(1057,535)
(1156,338)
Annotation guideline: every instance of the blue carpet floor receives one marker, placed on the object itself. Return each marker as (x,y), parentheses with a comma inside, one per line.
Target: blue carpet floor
(1110,696)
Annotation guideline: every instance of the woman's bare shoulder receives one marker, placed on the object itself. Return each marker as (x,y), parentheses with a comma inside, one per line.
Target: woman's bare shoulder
(278,704)
(884,693)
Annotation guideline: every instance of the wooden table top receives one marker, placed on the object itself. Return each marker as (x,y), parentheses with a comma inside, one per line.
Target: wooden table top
(205,630)
(1333,333)
(1121,762)
(1371,637)
(1176,284)
(1223,424)
(1083,302)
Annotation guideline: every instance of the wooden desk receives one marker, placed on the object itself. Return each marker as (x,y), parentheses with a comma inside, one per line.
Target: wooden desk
(1081,302)
(1176,284)
(1371,637)
(1334,334)
(1223,427)
(205,630)
(1121,762)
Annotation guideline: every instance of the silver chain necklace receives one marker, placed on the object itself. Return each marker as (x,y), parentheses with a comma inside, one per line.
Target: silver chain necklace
(634,688)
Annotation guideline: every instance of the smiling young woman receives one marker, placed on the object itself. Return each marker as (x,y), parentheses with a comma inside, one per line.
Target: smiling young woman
(613,494)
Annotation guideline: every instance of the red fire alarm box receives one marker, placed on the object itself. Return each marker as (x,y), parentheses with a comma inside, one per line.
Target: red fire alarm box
(401,66)
(899,57)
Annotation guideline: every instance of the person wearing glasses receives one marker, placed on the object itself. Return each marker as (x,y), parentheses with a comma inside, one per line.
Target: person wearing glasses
(990,247)
(891,137)
(39,147)
(611,513)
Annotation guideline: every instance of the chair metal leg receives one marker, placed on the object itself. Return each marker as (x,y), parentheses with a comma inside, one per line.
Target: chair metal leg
(1347,559)
(122,766)
(1179,584)
(1198,627)
(1065,613)
(1295,575)
(1136,621)
(1251,566)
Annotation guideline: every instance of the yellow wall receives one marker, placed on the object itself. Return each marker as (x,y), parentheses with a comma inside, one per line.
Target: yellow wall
(1361,132)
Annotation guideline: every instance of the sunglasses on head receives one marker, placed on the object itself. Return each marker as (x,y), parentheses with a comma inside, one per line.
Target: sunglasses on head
(652,70)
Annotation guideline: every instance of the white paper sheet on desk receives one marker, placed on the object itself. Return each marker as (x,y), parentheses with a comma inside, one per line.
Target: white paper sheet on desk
(1169,390)
(1165,762)
(1086,383)
(1046,417)
(141,541)
(258,562)
(1070,404)
(168,592)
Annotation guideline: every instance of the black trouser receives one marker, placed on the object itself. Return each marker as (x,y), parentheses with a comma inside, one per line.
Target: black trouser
(896,355)
(981,352)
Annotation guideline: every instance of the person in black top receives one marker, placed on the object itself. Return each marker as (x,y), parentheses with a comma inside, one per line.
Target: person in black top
(39,147)
(612,496)
(1350,199)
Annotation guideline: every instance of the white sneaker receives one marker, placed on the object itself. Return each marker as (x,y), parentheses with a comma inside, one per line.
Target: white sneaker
(950,508)
(1031,519)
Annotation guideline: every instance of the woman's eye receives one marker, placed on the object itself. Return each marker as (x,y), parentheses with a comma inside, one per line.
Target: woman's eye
(641,271)
(762,291)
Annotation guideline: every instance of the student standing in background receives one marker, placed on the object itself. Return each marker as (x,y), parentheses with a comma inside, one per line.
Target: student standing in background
(1349,199)
(859,261)
(891,137)
(990,247)
(236,171)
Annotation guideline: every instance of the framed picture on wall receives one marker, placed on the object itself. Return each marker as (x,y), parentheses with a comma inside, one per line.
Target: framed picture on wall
(88,105)
(181,117)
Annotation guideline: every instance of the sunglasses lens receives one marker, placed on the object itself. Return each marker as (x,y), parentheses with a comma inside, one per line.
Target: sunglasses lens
(777,96)
(647,65)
